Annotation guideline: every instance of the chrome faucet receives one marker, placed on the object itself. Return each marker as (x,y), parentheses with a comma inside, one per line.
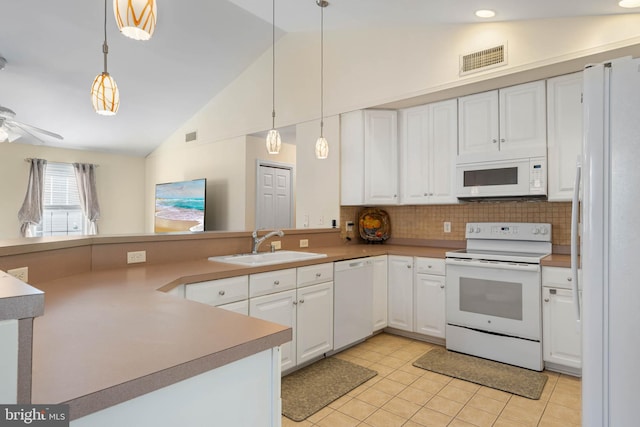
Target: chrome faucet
(257,241)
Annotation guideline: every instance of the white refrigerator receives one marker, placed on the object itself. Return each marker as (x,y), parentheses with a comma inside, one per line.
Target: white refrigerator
(610,243)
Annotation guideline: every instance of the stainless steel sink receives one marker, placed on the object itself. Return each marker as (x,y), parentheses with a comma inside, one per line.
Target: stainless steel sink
(267,258)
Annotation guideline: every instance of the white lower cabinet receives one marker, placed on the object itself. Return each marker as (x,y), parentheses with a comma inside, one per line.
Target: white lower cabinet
(308,310)
(314,321)
(379,292)
(417,295)
(240,307)
(400,294)
(561,338)
(230,293)
(430,297)
(279,308)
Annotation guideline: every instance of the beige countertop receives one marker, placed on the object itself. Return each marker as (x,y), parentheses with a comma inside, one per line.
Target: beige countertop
(109,336)
(556,260)
(19,300)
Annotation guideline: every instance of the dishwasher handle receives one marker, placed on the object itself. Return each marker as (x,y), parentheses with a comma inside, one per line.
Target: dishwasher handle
(351,265)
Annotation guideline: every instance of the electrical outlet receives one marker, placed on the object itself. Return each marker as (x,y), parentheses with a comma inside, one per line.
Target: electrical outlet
(304,243)
(276,244)
(348,226)
(447,227)
(136,257)
(20,273)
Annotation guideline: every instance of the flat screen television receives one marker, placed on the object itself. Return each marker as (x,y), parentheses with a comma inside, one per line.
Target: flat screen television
(180,206)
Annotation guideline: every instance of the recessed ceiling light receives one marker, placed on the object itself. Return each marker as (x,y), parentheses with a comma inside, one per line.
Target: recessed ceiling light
(629,3)
(486,13)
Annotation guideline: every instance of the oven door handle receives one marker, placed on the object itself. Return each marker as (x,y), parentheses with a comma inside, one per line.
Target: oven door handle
(493,265)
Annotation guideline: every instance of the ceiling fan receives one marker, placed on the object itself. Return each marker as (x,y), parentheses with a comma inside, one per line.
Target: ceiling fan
(11,129)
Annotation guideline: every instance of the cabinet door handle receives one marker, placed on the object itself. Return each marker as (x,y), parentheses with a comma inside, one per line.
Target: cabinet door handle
(408,266)
(441,286)
(276,282)
(318,274)
(569,279)
(546,300)
(495,141)
(428,266)
(221,293)
(295,302)
(301,301)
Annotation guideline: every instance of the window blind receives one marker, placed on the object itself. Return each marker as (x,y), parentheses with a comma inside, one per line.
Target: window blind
(62,214)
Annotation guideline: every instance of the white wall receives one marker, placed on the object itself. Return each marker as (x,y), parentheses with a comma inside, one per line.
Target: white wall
(365,68)
(319,203)
(120,185)
(222,163)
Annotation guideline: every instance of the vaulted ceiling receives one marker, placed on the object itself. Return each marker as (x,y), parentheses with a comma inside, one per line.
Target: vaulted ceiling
(54,51)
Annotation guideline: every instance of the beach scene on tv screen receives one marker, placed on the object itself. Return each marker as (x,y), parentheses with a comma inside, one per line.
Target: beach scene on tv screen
(180,206)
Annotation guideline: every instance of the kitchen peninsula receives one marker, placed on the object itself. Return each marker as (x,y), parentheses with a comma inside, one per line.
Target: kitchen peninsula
(112,346)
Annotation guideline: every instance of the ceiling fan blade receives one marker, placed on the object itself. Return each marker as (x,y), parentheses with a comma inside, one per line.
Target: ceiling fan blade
(22,128)
(13,133)
(27,128)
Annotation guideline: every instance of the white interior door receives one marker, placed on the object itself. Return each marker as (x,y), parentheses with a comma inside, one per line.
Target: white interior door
(274,207)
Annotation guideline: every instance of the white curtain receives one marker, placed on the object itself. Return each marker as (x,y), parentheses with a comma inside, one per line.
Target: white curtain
(86,178)
(30,213)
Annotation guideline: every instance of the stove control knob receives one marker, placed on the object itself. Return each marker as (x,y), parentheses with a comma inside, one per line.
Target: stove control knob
(536,230)
(544,231)
(478,229)
(471,229)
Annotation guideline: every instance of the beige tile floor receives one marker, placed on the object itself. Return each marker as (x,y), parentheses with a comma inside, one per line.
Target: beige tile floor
(403,395)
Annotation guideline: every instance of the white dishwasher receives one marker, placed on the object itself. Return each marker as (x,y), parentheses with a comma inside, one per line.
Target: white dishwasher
(353,302)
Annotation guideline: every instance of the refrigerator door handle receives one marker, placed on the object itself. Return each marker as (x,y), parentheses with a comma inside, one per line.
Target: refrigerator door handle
(574,242)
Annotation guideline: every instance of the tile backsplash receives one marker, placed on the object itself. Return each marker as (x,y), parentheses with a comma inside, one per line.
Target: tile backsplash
(426,222)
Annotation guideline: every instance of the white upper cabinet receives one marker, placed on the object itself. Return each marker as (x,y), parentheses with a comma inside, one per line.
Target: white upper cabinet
(381,157)
(564,121)
(428,140)
(369,157)
(352,158)
(478,126)
(503,124)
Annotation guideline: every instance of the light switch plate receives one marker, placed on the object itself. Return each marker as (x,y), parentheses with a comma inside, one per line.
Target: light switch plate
(20,273)
(136,257)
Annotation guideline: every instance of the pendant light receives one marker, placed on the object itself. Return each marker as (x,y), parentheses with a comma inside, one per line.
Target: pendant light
(322,146)
(104,91)
(273,137)
(136,19)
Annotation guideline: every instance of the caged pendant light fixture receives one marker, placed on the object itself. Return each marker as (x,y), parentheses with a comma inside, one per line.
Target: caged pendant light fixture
(322,146)
(273,137)
(104,91)
(136,19)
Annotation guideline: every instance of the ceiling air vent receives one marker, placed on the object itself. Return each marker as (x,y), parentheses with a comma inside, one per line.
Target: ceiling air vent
(191,136)
(483,59)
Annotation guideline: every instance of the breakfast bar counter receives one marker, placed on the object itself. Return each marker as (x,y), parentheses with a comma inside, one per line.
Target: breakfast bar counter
(108,336)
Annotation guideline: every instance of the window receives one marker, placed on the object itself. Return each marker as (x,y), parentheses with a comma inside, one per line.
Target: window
(61,213)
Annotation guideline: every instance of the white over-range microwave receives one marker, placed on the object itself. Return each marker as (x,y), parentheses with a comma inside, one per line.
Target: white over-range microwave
(502,178)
